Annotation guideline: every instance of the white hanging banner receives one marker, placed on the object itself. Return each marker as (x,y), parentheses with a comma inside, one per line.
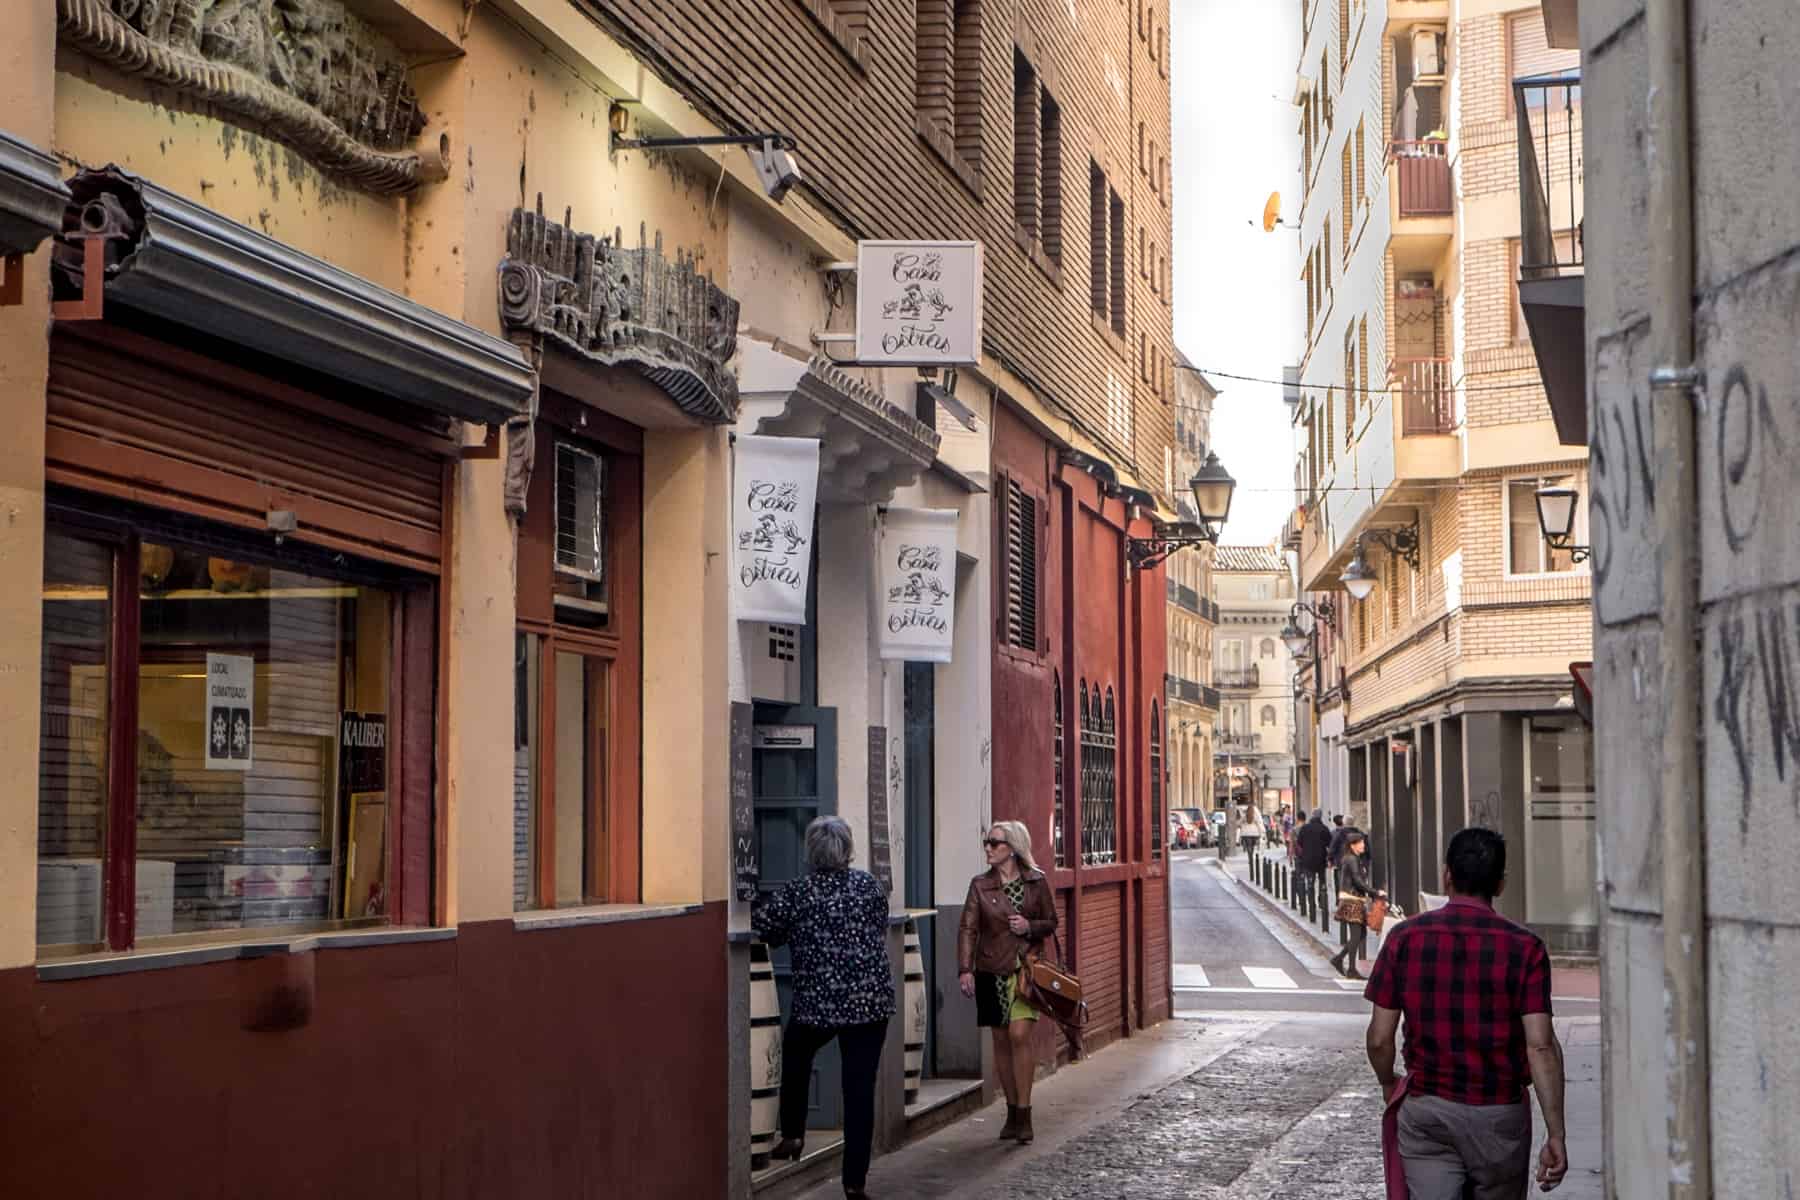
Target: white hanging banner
(916,603)
(777,480)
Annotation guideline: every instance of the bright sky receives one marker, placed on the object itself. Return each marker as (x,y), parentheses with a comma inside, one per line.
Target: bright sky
(1237,303)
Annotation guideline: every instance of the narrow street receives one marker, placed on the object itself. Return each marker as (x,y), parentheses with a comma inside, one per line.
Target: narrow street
(1258,1090)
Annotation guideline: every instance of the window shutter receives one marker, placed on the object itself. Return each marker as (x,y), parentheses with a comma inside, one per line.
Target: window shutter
(1021,568)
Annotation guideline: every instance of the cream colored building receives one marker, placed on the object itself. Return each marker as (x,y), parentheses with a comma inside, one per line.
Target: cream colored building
(1423,433)
(1254,754)
(1193,702)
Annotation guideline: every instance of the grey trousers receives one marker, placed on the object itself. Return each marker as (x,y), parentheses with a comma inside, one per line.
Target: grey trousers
(1465,1152)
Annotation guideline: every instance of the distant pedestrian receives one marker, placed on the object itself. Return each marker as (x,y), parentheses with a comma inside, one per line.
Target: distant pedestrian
(1474,989)
(835,920)
(1353,880)
(1250,833)
(1009,910)
(1309,866)
(1340,835)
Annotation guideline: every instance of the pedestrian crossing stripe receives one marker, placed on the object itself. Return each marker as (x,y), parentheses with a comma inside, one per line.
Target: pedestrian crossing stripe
(1190,975)
(1268,977)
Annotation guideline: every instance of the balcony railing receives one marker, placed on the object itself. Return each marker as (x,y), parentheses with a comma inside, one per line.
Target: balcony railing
(1240,743)
(1427,401)
(1238,677)
(1548,113)
(1209,697)
(1424,171)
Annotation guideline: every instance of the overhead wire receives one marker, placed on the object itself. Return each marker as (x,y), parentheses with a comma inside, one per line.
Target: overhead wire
(1361,391)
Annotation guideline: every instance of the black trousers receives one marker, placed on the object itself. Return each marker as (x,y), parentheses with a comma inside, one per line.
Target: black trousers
(1353,949)
(860,1048)
(1306,885)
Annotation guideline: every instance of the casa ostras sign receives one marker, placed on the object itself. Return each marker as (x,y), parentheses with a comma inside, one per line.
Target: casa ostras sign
(918,304)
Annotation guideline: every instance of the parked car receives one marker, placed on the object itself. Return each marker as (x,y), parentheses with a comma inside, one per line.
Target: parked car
(1199,832)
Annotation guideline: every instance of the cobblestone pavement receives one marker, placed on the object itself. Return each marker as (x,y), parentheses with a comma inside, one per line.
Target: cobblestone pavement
(1292,1113)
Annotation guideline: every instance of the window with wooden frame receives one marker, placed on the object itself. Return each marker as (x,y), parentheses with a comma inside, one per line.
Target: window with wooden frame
(1362,178)
(1343,39)
(1349,386)
(237,733)
(1020,561)
(947,51)
(577,665)
(1330,426)
(1049,170)
(1346,169)
(1362,360)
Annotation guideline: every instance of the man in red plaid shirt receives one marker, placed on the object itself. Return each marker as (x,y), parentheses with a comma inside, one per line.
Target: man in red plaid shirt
(1475,991)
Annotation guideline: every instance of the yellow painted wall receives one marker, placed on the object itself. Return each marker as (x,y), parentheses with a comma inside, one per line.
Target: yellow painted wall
(26,57)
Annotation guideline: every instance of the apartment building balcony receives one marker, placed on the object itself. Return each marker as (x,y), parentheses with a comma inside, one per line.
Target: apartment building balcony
(1552,288)
(1422,388)
(1240,743)
(1421,198)
(1237,677)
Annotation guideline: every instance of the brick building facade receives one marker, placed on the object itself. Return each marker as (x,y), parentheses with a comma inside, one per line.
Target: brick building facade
(1423,432)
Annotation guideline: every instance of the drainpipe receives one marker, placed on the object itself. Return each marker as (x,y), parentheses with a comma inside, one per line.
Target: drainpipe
(1674,387)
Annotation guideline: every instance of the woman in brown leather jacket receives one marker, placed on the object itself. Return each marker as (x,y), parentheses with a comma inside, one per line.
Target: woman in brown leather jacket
(1009,910)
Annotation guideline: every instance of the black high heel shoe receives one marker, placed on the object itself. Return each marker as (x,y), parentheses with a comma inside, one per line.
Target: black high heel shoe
(789,1148)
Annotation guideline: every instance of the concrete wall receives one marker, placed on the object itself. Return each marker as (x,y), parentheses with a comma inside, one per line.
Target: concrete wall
(1747,312)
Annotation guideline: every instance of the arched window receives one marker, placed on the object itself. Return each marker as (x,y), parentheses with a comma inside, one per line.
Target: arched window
(1058,837)
(1099,757)
(1156,782)
(1267,649)
(1268,714)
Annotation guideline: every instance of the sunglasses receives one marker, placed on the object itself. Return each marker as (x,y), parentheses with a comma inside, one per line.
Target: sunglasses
(990,843)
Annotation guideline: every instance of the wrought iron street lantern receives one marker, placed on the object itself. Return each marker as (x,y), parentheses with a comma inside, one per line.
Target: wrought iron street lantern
(1212,487)
(1359,577)
(1299,641)
(1556,517)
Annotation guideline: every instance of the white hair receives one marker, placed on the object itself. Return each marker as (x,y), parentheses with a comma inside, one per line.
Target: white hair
(1019,839)
(829,844)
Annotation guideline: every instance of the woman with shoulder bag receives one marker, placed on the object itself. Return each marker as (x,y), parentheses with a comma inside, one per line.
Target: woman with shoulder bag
(1009,911)
(1355,892)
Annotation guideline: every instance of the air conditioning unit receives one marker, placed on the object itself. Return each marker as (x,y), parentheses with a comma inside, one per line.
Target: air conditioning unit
(1428,52)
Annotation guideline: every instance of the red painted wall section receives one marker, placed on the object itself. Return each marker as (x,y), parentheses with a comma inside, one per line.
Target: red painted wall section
(582,1062)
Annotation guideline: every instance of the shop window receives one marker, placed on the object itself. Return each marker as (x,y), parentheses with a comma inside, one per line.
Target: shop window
(1059,822)
(1099,777)
(577,679)
(1156,782)
(222,720)
(1021,556)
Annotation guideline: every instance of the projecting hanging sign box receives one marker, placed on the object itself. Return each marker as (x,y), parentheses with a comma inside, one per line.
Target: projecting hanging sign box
(916,606)
(772,520)
(918,304)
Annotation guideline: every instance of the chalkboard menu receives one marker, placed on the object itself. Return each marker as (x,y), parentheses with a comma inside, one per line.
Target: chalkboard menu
(881,853)
(743,809)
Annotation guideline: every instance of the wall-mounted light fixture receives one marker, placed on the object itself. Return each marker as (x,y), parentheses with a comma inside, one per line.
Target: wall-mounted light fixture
(1212,487)
(1298,640)
(772,154)
(1359,577)
(1556,517)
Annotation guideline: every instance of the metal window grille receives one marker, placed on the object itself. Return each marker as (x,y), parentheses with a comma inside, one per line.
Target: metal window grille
(1099,754)
(580,527)
(1021,568)
(1156,782)
(1059,817)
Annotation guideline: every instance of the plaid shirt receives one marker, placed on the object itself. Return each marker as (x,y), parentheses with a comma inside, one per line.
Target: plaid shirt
(1465,977)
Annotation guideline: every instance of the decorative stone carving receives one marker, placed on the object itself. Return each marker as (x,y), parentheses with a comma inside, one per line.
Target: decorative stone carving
(621,307)
(307,73)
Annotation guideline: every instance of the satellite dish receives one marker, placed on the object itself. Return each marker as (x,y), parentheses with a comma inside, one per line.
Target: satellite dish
(1272,212)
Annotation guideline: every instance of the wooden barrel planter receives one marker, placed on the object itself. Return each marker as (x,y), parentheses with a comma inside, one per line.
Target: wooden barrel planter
(914,1014)
(765,1056)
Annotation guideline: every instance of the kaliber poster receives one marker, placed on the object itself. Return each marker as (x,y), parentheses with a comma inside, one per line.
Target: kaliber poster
(916,603)
(777,481)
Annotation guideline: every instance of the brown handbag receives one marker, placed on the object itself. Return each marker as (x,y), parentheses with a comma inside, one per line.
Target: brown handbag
(1054,990)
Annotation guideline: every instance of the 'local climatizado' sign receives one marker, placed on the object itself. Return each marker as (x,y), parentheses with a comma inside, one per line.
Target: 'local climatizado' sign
(918,304)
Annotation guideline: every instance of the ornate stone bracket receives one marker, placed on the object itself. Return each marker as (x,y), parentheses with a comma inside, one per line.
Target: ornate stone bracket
(634,308)
(305,72)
